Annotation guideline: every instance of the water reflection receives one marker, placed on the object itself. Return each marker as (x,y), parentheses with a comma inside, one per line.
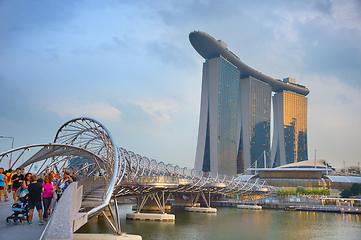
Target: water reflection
(232,223)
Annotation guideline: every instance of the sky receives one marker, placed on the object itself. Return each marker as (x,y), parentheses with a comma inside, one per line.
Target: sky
(130,65)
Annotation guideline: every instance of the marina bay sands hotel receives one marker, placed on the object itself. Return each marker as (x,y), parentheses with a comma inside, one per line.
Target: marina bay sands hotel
(234,128)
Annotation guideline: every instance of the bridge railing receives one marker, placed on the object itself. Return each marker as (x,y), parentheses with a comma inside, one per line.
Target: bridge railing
(90,183)
(185,181)
(157,179)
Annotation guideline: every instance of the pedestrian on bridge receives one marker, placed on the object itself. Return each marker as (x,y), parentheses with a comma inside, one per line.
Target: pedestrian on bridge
(62,173)
(17,180)
(9,174)
(6,186)
(47,196)
(53,178)
(63,184)
(54,181)
(3,183)
(27,181)
(35,189)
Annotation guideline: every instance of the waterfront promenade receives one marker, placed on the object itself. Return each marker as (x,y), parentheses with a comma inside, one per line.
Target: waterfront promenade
(16,230)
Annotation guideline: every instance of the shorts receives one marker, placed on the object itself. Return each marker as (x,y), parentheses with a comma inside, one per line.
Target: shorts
(1,188)
(15,189)
(36,204)
(9,187)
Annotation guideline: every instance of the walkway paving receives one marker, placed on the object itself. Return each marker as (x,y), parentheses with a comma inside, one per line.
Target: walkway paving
(16,230)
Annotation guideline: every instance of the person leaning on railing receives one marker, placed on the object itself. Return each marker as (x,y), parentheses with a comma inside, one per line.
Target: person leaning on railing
(63,184)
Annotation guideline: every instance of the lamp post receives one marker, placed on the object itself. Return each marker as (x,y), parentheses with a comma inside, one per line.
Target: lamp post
(12,146)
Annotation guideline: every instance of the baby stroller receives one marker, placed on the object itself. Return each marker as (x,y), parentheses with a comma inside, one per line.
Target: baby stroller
(20,208)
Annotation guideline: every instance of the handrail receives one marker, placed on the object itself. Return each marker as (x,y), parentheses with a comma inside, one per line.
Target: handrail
(109,193)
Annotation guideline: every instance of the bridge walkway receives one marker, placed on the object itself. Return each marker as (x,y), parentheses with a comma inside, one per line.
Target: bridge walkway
(93,198)
(16,230)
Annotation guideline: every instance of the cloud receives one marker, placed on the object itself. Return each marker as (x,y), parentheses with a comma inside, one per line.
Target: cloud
(96,110)
(347,14)
(170,53)
(317,37)
(159,111)
(334,112)
(133,62)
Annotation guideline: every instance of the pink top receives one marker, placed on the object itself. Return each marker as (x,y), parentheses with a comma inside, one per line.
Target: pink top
(47,190)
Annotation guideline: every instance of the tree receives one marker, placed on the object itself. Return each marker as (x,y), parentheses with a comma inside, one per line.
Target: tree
(301,191)
(346,193)
(316,191)
(325,192)
(355,189)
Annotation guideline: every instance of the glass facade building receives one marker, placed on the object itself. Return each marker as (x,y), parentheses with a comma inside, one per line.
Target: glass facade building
(260,117)
(227,117)
(290,136)
(235,114)
(254,138)
(218,133)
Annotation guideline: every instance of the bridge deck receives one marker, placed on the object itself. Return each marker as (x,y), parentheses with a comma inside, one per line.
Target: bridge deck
(94,198)
(15,230)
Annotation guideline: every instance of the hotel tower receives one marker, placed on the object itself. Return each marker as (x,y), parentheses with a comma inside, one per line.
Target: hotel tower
(234,127)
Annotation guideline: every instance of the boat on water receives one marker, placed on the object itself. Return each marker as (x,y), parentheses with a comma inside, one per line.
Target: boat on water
(253,207)
(290,208)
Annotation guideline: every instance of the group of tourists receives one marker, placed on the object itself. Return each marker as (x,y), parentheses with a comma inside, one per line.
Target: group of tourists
(43,191)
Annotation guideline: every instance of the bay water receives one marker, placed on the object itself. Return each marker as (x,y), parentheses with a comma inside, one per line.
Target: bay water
(233,223)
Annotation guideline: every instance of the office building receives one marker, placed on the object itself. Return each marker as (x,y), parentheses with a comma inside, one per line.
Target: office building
(255,103)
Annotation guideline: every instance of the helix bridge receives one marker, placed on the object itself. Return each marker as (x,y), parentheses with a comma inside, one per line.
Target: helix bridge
(106,172)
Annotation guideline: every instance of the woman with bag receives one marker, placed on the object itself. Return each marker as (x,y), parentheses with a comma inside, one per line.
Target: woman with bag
(47,196)
(54,181)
